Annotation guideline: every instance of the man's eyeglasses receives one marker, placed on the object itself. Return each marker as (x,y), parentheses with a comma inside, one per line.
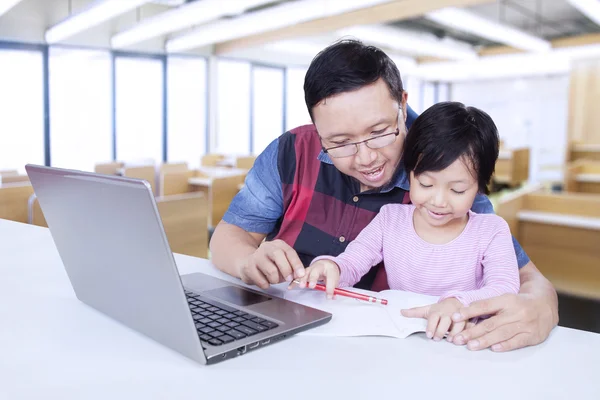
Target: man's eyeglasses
(377,142)
(350,149)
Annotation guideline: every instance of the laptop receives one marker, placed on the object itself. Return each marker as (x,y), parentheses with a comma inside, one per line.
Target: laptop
(110,238)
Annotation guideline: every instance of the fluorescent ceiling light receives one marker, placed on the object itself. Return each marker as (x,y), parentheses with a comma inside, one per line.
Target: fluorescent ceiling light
(182,17)
(6,5)
(300,47)
(469,22)
(412,43)
(276,17)
(97,13)
(556,61)
(591,8)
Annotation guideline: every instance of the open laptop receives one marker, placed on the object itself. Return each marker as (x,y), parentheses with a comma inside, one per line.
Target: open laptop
(110,237)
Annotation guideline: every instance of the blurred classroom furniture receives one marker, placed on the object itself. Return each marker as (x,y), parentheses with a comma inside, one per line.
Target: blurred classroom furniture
(211,160)
(584,151)
(219,184)
(561,233)
(109,168)
(584,118)
(512,167)
(583,176)
(14,198)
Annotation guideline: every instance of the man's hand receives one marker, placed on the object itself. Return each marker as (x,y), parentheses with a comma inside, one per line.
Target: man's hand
(273,262)
(518,320)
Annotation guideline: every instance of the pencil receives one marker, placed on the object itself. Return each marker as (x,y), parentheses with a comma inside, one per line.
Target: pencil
(347,293)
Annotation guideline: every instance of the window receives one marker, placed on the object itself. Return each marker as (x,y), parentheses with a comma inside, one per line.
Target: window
(296,112)
(80,108)
(267,106)
(21,109)
(139,109)
(186,91)
(233,107)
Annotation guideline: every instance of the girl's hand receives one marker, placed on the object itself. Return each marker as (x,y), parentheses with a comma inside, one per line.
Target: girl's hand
(323,270)
(439,318)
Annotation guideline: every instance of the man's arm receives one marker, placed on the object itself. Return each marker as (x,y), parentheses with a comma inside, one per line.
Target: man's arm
(230,247)
(237,246)
(519,320)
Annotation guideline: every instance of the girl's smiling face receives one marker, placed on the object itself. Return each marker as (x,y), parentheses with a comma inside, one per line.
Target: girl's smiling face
(444,196)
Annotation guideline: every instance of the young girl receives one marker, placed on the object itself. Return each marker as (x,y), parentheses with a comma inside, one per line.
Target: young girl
(436,245)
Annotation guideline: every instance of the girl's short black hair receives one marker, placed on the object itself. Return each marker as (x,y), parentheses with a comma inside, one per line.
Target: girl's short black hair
(349,65)
(447,131)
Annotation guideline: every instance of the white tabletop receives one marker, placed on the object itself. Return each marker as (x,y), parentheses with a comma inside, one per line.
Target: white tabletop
(573,221)
(54,347)
(588,178)
(222,172)
(200,181)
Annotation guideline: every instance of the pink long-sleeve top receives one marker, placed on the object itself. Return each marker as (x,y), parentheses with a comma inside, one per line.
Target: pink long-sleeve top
(480,263)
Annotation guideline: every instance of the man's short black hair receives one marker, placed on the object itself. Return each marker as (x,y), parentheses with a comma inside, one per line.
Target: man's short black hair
(448,131)
(349,65)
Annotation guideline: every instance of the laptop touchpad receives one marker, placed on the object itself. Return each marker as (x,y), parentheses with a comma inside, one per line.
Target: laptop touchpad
(237,295)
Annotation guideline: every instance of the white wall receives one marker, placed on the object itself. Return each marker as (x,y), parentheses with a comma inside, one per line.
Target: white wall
(528,112)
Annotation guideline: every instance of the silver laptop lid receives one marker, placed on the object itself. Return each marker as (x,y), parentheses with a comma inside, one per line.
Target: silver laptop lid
(108,233)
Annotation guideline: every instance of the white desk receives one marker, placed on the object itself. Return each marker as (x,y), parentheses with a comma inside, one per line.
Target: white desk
(573,221)
(221,172)
(54,347)
(595,178)
(200,181)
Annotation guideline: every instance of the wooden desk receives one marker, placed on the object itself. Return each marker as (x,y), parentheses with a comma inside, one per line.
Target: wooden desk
(584,151)
(55,347)
(220,185)
(561,235)
(512,167)
(583,176)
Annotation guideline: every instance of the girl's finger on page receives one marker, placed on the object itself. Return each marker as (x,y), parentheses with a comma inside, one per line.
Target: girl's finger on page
(416,312)
(442,328)
(432,323)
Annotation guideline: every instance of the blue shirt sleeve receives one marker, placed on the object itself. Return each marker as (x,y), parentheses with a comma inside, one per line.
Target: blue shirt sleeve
(482,205)
(259,204)
(410,117)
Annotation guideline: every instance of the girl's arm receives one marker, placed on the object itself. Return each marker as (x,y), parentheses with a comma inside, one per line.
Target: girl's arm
(362,253)
(500,269)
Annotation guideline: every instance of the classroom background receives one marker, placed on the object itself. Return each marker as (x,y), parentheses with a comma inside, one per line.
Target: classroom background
(185,94)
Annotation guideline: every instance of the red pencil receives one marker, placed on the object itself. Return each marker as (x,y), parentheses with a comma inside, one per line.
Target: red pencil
(347,293)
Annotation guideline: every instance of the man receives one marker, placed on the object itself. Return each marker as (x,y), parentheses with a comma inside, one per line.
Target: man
(316,187)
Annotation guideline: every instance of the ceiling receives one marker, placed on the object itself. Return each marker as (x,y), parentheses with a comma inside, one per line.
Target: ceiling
(545,19)
(548,19)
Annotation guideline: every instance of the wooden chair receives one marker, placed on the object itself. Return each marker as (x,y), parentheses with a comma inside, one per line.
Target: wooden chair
(147,173)
(173,167)
(14,201)
(110,168)
(185,220)
(222,192)
(8,179)
(245,162)
(211,160)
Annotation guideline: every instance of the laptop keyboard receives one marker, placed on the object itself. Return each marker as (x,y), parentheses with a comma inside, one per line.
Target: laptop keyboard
(218,324)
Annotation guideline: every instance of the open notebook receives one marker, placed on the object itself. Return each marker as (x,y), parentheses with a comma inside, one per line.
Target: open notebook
(352,317)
